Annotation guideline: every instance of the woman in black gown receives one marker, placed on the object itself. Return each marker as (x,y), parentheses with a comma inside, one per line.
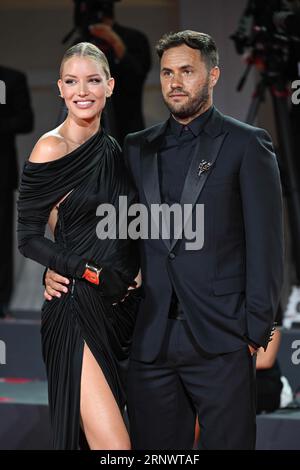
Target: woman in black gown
(85,339)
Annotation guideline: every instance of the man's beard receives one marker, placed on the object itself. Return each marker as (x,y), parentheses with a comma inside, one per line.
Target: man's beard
(192,107)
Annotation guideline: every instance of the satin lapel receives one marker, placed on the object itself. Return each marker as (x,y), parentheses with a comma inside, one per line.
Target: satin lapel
(207,149)
(150,180)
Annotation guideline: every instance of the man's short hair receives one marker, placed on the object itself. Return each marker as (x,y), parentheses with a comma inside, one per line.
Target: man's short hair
(201,41)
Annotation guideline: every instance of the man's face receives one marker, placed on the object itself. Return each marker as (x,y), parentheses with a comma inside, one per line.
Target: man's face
(186,83)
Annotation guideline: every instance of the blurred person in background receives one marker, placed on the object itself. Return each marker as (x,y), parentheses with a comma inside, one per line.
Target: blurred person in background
(129,57)
(16,117)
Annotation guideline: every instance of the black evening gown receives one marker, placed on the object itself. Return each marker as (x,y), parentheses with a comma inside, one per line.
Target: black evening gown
(90,175)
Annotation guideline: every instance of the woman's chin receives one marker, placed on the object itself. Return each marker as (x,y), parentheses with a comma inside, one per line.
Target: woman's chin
(86,114)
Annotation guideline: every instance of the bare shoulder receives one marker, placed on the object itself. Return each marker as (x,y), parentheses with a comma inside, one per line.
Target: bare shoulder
(49,147)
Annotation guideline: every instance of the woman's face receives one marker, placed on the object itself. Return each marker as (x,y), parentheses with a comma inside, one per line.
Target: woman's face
(84,87)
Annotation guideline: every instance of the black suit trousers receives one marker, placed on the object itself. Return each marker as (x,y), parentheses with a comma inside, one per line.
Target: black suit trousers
(165,396)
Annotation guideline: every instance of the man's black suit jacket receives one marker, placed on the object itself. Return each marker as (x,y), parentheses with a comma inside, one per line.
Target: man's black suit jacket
(230,288)
(16,117)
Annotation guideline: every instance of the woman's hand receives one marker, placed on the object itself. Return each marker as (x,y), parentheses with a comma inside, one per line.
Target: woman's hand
(55,284)
(111,285)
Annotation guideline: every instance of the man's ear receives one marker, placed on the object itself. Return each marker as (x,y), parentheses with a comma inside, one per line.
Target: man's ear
(214,76)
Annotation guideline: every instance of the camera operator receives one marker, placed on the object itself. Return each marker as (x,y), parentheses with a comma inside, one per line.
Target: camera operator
(129,57)
(269,32)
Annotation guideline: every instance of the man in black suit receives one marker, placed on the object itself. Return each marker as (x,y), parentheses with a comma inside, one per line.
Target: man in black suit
(205,311)
(207,306)
(16,117)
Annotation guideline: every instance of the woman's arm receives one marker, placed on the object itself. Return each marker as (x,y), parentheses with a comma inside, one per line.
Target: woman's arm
(32,223)
(33,217)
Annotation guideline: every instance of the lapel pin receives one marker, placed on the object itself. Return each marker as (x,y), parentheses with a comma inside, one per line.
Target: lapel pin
(203,167)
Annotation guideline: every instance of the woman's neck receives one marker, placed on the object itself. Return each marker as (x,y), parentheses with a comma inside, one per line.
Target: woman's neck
(78,131)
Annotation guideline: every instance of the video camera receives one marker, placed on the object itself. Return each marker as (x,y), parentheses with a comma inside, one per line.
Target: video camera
(272,29)
(88,12)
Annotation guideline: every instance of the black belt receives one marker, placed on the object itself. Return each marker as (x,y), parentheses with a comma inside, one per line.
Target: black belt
(175,312)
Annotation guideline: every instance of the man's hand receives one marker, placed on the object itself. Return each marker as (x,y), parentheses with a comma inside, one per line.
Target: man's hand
(107,34)
(55,284)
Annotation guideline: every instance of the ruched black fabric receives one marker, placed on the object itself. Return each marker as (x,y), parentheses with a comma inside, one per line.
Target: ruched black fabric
(91,175)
